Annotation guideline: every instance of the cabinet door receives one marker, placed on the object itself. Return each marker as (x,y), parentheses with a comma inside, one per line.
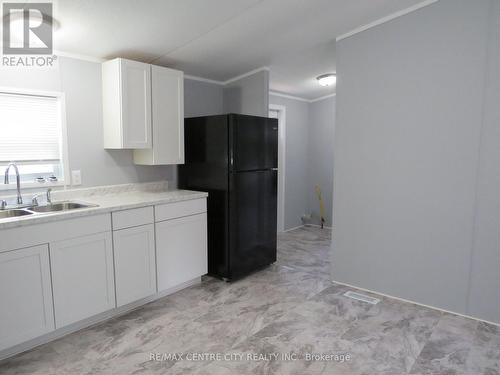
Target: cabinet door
(168,114)
(136,104)
(25,293)
(135,271)
(82,277)
(168,119)
(181,250)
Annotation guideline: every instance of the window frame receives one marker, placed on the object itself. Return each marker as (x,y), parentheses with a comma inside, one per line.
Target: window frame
(64,181)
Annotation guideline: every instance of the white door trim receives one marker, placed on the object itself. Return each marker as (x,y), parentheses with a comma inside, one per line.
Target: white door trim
(281,163)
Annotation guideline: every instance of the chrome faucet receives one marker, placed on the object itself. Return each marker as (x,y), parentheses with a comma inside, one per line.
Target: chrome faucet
(18,181)
(49,195)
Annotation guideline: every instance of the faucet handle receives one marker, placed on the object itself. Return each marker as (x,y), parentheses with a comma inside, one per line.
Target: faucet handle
(3,204)
(34,200)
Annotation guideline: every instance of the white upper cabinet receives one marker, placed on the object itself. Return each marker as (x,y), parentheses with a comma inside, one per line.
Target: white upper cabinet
(167,119)
(126,88)
(143,110)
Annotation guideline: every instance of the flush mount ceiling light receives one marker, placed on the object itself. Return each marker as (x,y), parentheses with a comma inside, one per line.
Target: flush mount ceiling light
(327,79)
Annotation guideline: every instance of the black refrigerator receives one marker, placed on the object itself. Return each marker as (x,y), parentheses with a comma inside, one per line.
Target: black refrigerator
(235,158)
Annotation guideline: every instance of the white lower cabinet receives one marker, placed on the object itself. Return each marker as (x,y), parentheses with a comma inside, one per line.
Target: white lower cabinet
(181,250)
(135,271)
(26,299)
(82,277)
(55,274)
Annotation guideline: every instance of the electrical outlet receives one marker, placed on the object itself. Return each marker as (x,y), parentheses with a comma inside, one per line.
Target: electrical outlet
(76,178)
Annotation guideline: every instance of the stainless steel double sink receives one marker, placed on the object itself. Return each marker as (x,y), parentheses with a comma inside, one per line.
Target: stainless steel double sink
(53,207)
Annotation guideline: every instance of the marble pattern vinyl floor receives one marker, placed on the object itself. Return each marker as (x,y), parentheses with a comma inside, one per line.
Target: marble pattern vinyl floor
(290,307)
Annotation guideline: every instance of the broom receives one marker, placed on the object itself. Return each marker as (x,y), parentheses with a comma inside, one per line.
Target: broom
(321,205)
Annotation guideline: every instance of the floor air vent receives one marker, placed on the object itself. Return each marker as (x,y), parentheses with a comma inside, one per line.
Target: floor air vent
(362,297)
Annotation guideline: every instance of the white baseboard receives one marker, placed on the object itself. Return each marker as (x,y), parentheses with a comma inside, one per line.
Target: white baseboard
(290,229)
(317,226)
(306,225)
(416,303)
(96,319)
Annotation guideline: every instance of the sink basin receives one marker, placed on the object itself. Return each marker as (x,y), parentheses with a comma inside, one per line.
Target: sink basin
(62,206)
(5,214)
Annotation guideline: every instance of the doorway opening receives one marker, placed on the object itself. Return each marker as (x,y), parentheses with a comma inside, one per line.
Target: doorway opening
(279,112)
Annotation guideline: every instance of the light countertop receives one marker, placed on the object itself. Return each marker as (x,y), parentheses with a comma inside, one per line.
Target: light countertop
(108,202)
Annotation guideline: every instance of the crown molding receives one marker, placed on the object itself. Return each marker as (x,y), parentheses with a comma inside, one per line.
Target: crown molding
(323,98)
(286,96)
(201,79)
(78,57)
(386,19)
(230,80)
(237,78)
(187,76)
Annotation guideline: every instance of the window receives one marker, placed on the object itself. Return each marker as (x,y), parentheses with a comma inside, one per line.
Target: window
(31,136)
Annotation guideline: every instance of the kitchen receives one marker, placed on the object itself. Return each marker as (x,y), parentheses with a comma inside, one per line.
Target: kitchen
(170,193)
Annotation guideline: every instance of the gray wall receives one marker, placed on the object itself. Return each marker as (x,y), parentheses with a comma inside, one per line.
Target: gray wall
(296,164)
(309,153)
(81,82)
(202,98)
(320,156)
(408,130)
(248,95)
(485,275)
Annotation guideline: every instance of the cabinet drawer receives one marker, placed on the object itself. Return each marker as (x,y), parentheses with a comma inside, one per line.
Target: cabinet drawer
(179,209)
(133,218)
(33,235)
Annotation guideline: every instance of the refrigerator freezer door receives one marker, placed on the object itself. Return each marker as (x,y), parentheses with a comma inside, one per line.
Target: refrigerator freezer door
(253,143)
(252,219)
(206,154)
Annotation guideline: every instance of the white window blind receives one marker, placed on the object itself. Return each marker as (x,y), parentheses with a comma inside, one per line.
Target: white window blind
(30,128)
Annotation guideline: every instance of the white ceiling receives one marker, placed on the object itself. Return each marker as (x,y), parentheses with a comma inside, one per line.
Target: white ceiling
(221,39)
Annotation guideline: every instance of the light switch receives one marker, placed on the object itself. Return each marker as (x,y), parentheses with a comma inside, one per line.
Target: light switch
(76,178)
